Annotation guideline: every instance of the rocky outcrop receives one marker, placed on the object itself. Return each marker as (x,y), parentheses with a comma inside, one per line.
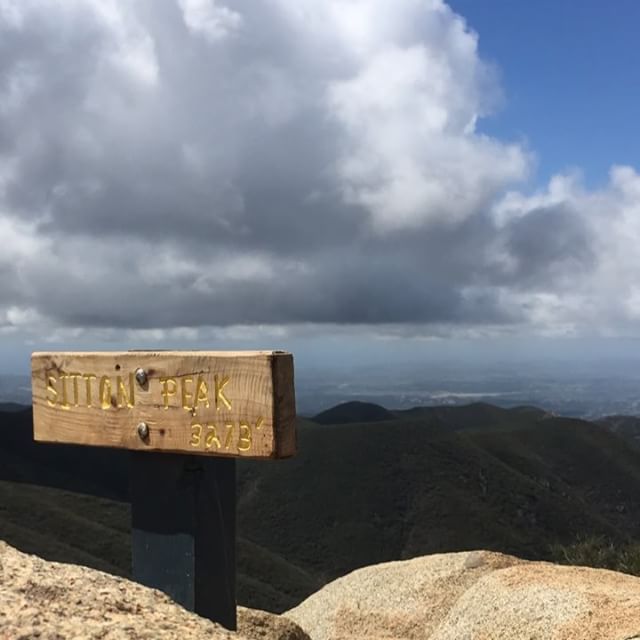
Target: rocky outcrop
(52,601)
(474,596)
(458,596)
(260,625)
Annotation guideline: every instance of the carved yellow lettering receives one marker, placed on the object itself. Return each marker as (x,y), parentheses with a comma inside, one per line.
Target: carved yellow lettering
(220,397)
(52,393)
(259,422)
(202,393)
(126,398)
(196,434)
(105,392)
(169,387)
(65,399)
(88,377)
(76,395)
(228,435)
(187,398)
(212,437)
(244,437)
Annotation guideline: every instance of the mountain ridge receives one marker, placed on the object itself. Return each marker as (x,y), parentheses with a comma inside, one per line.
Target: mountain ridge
(432,479)
(353,411)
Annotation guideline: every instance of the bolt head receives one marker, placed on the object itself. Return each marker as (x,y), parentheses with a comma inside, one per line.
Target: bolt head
(143,430)
(141,377)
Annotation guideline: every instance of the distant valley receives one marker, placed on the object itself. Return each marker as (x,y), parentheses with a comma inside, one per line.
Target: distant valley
(585,393)
(590,392)
(15,389)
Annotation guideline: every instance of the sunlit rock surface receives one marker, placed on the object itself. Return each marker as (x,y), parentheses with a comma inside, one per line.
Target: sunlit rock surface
(474,596)
(53,601)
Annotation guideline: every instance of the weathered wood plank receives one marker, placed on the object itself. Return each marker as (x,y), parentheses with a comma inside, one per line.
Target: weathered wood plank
(239,404)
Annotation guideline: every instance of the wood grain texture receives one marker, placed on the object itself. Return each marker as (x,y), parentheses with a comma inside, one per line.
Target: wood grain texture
(239,404)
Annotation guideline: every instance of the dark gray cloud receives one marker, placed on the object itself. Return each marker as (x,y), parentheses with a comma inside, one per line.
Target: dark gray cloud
(548,245)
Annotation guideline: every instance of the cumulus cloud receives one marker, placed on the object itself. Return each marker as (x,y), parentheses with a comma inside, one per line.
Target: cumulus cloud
(199,163)
(567,255)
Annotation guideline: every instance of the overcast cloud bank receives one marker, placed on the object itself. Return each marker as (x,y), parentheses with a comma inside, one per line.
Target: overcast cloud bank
(170,167)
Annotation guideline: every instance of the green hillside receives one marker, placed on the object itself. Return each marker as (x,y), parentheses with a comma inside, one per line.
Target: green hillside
(69,527)
(478,415)
(427,480)
(516,480)
(628,427)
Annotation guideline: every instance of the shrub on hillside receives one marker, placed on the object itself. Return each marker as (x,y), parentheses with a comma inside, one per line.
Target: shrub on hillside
(599,552)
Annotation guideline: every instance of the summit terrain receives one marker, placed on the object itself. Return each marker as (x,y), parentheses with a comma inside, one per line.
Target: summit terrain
(426,480)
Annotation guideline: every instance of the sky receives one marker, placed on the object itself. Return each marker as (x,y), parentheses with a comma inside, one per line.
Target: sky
(569,72)
(351,180)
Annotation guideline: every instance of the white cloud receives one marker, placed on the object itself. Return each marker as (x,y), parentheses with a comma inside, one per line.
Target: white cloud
(410,152)
(599,294)
(210,18)
(169,167)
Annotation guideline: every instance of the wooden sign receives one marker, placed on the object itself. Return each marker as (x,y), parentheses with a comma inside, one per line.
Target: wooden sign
(235,404)
(166,407)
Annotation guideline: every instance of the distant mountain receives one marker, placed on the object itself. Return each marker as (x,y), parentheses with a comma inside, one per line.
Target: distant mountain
(11,407)
(421,481)
(15,389)
(351,412)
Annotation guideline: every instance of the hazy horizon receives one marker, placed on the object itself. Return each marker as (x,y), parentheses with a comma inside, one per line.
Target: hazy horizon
(588,386)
